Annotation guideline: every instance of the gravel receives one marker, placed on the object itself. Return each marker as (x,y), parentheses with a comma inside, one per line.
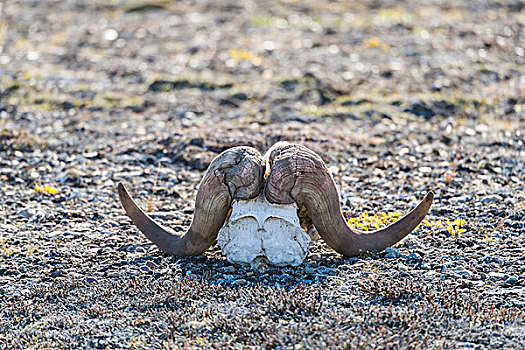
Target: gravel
(397,97)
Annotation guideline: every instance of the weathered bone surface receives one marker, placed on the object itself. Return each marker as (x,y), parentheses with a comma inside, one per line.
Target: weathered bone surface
(259,229)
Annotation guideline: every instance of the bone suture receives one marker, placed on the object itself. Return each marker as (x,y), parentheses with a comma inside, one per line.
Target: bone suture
(287,174)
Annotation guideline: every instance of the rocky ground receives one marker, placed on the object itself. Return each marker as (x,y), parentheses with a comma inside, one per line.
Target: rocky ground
(398,97)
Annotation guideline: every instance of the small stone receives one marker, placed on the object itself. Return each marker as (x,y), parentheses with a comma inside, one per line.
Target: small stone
(511,280)
(91,279)
(323,271)
(7,228)
(144,269)
(517,303)
(75,275)
(67,105)
(491,199)
(285,276)
(412,242)
(109,224)
(230,269)
(110,34)
(135,248)
(414,256)
(58,273)
(497,276)
(464,274)
(309,270)
(425,266)
(460,199)
(239,282)
(196,324)
(26,213)
(392,253)
(315,257)
(425,170)
(402,267)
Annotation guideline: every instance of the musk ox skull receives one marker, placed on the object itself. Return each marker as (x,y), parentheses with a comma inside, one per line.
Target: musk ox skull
(260,208)
(259,231)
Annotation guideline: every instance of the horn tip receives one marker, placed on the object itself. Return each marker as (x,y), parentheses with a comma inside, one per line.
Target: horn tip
(123,193)
(120,187)
(430,196)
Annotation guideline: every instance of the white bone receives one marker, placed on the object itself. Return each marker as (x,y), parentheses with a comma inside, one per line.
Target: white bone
(259,229)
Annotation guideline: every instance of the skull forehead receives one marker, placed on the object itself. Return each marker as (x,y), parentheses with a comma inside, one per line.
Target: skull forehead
(260,209)
(257,228)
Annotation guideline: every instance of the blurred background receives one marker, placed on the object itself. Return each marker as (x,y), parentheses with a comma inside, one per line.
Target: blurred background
(262,61)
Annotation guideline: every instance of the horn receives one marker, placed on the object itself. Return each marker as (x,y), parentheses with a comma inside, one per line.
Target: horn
(237,173)
(299,175)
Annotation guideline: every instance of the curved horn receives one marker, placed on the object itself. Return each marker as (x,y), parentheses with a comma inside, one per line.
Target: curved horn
(299,175)
(236,173)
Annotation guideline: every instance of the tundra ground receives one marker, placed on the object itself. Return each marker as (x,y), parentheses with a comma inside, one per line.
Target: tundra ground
(398,97)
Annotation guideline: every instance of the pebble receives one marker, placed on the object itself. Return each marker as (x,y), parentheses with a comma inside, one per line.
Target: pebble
(315,257)
(511,280)
(135,248)
(353,260)
(414,256)
(497,276)
(392,253)
(7,228)
(460,199)
(109,224)
(402,267)
(491,199)
(239,282)
(425,266)
(285,276)
(58,273)
(309,270)
(464,274)
(196,324)
(26,213)
(520,303)
(412,243)
(110,34)
(324,270)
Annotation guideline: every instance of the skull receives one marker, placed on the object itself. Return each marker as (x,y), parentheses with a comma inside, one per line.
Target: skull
(258,230)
